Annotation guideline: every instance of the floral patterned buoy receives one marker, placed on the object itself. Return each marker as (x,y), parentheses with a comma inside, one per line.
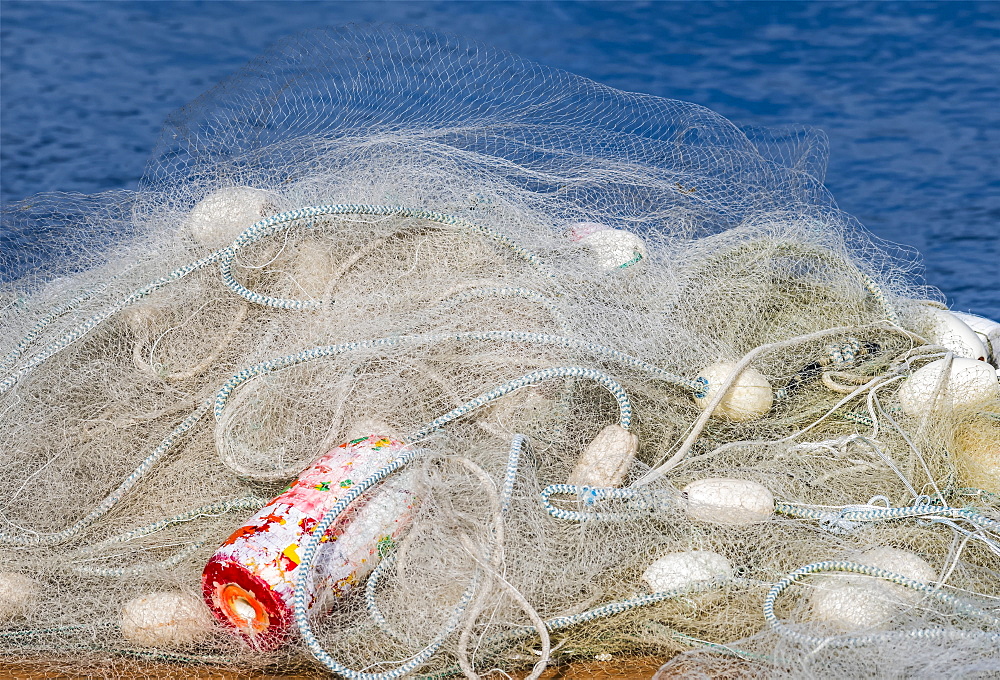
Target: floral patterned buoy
(249,582)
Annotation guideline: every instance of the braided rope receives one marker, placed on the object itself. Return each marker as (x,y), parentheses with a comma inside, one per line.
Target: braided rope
(94,321)
(779,626)
(32,632)
(271,225)
(643,501)
(613,608)
(11,358)
(600,612)
(856,514)
(507,491)
(868,282)
(304,572)
(371,585)
(226,257)
(513,462)
(115,496)
(312,541)
(138,570)
(251,504)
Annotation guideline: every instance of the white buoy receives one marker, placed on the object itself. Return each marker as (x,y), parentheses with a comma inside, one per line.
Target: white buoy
(949,330)
(749,398)
(902,562)
(218,219)
(970,382)
(606,459)
(728,501)
(681,570)
(860,602)
(852,605)
(165,620)
(612,248)
(988,331)
(17,593)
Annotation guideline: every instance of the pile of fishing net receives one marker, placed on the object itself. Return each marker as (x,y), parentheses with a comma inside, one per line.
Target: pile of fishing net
(410,357)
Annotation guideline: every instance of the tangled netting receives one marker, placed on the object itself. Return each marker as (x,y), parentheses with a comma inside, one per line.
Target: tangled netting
(618,377)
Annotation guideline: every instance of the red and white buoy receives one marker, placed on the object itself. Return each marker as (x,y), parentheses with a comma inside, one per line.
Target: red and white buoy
(249,582)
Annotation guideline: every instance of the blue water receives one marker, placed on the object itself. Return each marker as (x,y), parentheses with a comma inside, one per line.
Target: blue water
(909,93)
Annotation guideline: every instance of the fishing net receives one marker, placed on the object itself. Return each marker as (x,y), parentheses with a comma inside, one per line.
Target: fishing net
(411,357)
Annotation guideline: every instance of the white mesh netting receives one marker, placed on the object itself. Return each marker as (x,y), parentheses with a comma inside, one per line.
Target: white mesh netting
(614,376)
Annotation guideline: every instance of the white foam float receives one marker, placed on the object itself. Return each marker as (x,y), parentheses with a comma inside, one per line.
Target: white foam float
(976,453)
(949,330)
(728,501)
(748,398)
(988,331)
(680,570)
(219,217)
(969,382)
(859,602)
(606,459)
(851,605)
(17,593)
(165,619)
(612,248)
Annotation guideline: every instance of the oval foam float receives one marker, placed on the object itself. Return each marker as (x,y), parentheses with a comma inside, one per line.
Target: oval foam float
(681,570)
(748,398)
(728,501)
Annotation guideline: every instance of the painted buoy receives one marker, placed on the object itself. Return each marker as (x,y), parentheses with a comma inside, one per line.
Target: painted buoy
(945,328)
(988,331)
(165,620)
(728,501)
(249,582)
(17,593)
(606,459)
(217,219)
(749,398)
(612,248)
(976,453)
(681,570)
(970,382)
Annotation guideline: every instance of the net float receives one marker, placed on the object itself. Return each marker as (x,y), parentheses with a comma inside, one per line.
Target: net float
(949,330)
(165,619)
(728,501)
(17,593)
(859,602)
(988,331)
(749,397)
(976,453)
(681,570)
(613,248)
(249,582)
(606,459)
(969,382)
(218,218)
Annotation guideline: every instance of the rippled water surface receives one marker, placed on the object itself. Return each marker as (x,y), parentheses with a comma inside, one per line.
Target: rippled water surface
(909,93)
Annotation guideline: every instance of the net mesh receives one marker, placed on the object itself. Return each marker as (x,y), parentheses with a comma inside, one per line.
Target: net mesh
(384,231)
